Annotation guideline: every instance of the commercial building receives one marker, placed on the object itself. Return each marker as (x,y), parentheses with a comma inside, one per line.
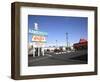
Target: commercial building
(83,44)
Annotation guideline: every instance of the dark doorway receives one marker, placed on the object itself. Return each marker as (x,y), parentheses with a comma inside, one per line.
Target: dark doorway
(40,51)
(36,51)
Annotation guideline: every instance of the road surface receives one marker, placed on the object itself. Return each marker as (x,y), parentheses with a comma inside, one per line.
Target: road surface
(79,57)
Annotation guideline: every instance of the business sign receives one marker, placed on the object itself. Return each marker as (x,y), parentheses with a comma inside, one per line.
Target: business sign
(35,32)
(39,44)
(37,38)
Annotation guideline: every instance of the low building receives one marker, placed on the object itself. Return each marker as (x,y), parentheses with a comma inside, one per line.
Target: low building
(83,44)
(57,49)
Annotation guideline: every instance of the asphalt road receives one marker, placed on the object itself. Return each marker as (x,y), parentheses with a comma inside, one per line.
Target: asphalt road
(79,57)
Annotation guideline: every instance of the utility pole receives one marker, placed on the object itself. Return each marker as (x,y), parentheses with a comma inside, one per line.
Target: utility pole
(67,39)
(56,44)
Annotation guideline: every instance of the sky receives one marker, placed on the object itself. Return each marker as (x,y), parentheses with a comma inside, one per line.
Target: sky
(58,26)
